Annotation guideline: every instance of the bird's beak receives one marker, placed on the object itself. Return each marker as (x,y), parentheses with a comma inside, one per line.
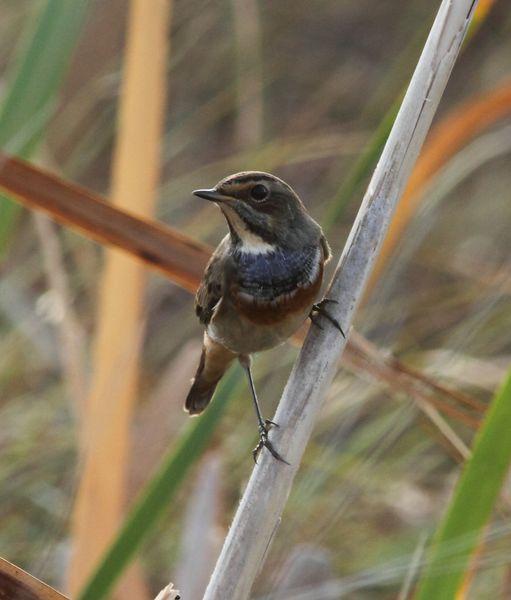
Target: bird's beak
(213,195)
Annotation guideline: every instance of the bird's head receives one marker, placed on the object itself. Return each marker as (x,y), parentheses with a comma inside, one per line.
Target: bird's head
(262,211)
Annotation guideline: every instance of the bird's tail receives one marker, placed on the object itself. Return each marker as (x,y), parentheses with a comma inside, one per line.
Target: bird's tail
(214,362)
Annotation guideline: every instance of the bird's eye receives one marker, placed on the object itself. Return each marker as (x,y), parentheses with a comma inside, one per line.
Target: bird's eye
(259,192)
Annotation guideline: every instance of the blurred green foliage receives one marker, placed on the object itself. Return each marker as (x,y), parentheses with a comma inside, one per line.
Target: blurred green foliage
(34,81)
(474,500)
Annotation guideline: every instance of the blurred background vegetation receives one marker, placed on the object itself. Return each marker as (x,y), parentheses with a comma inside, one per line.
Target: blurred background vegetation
(299,89)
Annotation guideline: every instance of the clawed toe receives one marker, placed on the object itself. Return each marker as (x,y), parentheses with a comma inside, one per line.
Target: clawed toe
(319,309)
(328,300)
(264,442)
(314,318)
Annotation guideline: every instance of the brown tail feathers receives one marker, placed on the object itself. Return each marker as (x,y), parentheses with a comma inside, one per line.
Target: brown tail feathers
(214,362)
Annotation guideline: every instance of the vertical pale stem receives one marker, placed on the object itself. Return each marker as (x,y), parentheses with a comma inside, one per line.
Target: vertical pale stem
(69,329)
(109,406)
(201,538)
(249,88)
(261,506)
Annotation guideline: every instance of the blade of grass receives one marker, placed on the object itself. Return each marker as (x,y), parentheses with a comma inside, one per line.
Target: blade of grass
(40,65)
(109,407)
(249,73)
(154,501)
(473,501)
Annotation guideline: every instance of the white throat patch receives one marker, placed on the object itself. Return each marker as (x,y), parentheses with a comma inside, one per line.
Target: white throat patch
(253,244)
(250,242)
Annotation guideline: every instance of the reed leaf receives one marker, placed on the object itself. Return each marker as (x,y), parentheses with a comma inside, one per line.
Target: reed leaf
(42,59)
(472,503)
(178,256)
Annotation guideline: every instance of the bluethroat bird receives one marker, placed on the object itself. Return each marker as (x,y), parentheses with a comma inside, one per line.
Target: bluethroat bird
(260,285)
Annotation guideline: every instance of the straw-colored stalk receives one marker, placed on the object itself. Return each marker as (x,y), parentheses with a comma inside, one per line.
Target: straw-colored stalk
(263,501)
(69,330)
(17,583)
(109,406)
(168,593)
(202,535)
(249,80)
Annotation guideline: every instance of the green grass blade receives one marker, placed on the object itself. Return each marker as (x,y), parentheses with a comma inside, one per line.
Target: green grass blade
(471,507)
(35,78)
(154,499)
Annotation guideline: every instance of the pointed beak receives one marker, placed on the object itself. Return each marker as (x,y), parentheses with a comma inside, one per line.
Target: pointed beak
(213,195)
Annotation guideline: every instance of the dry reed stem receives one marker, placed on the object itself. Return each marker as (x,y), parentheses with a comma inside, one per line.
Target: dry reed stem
(249,84)
(202,532)
(109,407)
(177,256)
(16,584)
(169,593)
(69,329)
(265,496)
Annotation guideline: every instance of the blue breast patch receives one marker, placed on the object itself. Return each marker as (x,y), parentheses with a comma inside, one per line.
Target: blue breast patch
(268,276)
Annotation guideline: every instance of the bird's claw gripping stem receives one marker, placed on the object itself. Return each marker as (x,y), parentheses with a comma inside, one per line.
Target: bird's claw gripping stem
(319,309)
(264,428)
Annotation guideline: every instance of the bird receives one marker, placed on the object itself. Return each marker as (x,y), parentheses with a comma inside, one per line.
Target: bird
(260,284)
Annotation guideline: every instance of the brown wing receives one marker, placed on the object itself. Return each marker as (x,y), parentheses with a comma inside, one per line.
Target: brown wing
(211,289)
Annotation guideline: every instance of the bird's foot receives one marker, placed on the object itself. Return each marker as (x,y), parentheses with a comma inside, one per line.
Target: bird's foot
(264,442)
(319,309)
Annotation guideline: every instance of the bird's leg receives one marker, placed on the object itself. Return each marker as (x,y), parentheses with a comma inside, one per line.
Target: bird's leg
(264,424)
(319,309)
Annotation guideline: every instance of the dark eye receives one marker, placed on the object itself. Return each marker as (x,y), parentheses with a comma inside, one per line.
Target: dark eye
(259,192)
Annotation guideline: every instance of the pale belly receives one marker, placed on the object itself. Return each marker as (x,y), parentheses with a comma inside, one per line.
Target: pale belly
(240,335)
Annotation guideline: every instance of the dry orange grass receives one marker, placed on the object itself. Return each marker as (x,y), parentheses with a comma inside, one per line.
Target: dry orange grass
(115,367)
(17,583)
